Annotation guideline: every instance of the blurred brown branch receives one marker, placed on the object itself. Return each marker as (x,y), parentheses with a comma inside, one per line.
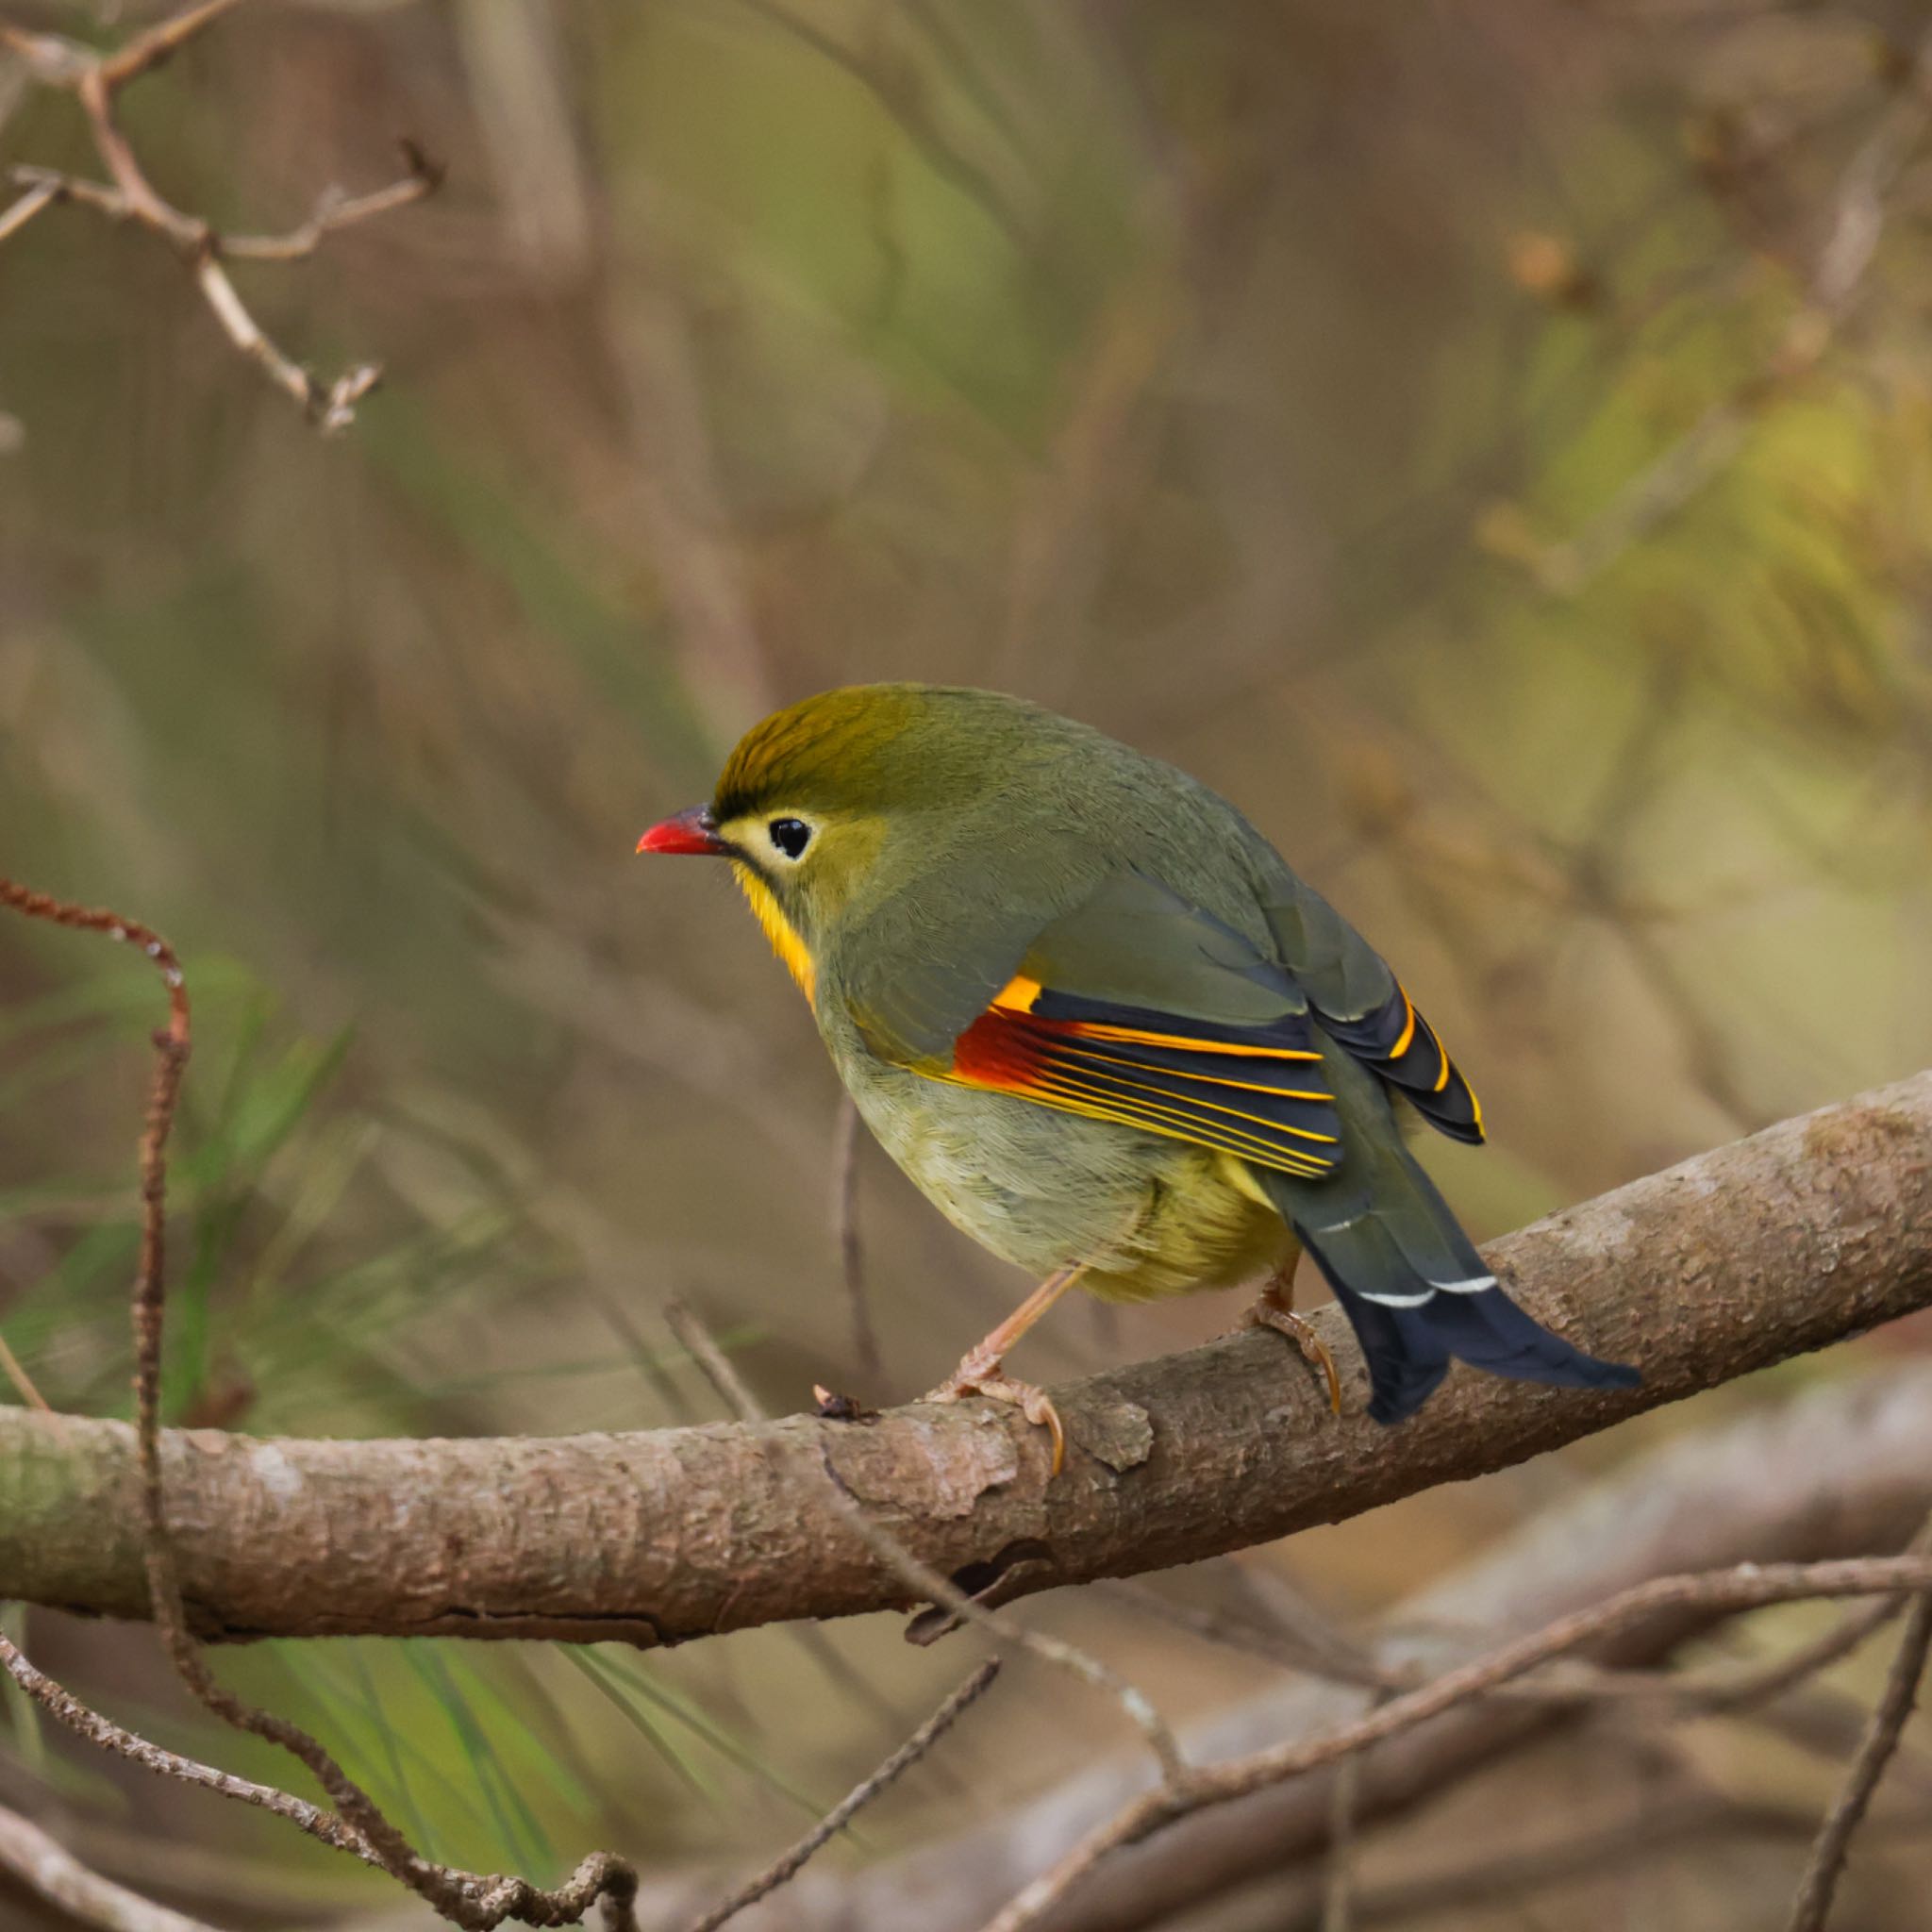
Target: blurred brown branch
(57,1875)
(1816,1228)
(96,81)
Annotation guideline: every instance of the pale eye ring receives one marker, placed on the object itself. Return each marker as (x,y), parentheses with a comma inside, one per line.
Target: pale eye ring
(790,836)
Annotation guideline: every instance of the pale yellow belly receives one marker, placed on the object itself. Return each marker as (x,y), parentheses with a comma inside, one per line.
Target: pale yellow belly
(1201,1229)
(1146,1216)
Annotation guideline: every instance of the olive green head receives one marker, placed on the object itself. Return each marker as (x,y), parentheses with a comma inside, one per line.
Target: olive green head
(823,800)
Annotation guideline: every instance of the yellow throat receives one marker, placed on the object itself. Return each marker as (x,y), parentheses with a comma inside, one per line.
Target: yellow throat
(777,928)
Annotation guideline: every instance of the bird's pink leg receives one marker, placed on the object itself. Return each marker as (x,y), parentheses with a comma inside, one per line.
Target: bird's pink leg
(1274,1307)
(979,1370)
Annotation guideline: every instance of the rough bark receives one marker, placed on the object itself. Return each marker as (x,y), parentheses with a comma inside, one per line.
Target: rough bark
(1815,1229)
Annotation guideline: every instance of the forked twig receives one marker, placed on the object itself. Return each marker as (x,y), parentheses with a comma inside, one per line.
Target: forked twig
(127,195)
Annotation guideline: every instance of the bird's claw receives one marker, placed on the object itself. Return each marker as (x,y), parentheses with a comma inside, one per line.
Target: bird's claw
(1266,1312)
(834,1407)
(978,1375)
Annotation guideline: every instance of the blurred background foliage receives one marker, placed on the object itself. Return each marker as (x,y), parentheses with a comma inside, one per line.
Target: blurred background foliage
(1439,427)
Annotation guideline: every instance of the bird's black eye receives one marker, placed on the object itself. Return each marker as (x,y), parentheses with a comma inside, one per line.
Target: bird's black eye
(790,836)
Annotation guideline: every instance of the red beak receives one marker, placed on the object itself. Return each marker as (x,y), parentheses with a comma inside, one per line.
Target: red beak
(685,831)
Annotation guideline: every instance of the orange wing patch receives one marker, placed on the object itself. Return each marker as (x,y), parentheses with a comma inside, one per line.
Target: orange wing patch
(1252,1091)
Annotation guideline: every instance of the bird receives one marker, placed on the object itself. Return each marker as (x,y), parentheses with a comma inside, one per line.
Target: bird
(1103,1027)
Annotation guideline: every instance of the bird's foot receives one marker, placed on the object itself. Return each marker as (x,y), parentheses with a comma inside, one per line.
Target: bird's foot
(834,1407)
(980,1373)
(1268,1310)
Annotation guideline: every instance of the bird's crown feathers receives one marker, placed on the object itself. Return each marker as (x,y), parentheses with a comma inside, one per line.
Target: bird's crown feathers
(868,746)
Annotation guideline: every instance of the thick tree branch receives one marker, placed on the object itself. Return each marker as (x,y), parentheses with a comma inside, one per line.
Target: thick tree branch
(1815,1229)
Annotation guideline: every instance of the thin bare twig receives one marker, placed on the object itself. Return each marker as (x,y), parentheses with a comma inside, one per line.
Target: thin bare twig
(1141,1710)
(1344,1803)
(835,1821)
(11,1367)
(39,195)
(1303,1643)
(732,1389)
(1662,1824)
(1720,1690)
(1724,1688)
(1746,1586)
(1309,1646)
(1337,1879)
(720,1371)
(334,210)
(865,1340)
(127,195)
(161,41)
(85,1723)
(1812,1904)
